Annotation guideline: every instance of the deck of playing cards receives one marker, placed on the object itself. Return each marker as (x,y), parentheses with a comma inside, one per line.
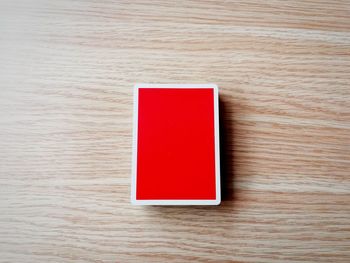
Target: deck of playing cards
(176,159)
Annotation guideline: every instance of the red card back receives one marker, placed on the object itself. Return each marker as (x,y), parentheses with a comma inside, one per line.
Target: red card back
(175,144)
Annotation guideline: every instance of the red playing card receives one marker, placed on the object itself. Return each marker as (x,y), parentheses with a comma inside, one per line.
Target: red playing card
(176,145)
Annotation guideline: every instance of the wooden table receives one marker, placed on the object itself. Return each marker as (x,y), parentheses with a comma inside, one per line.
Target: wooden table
(67,71)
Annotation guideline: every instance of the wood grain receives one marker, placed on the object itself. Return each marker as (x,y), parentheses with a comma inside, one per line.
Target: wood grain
(67,70)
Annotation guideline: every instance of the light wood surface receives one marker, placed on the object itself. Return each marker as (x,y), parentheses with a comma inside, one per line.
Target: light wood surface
(67,70)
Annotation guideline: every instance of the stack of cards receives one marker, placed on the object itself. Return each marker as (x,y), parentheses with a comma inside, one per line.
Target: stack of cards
(176,158)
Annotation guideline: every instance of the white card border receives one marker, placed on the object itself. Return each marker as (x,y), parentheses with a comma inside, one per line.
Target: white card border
(217,201)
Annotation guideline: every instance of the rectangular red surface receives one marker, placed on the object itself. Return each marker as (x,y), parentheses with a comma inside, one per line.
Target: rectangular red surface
(175,144)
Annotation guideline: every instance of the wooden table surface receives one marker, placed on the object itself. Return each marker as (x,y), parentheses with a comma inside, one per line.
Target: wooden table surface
(67,70)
